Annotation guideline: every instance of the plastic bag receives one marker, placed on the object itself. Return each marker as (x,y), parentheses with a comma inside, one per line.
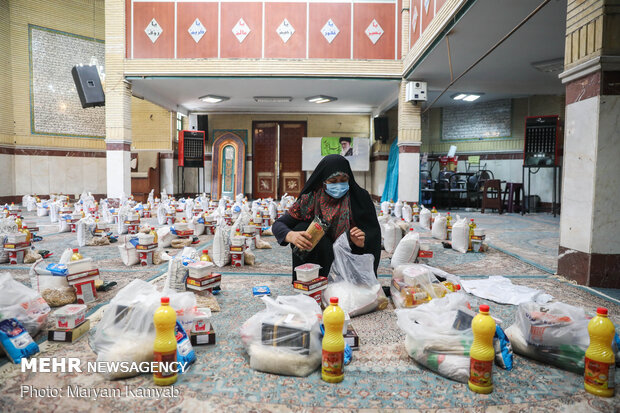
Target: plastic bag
(352,279)
(398,209)
(164,237)
(502,290)
(385,208)
(128,252)
(177,269)
(440,226)
(407,213)
(23,303)
(285,337)
(425,217)
(555,334)
(436,338)
(85,231)
(460,235)
(126,332)
(415,284)
(15,340)
(407,250)
(221,247)
(393,235)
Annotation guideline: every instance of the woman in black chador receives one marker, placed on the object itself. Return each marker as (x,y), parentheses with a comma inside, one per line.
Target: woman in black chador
(332,195)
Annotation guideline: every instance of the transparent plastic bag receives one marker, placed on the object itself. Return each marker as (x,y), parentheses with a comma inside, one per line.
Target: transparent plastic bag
(415,284)
(460,235)
(425,217)
(126,332)
(23,303)
(85,231)
(407,250)
(393,235)
(285,337)
(440,225)
(352,279)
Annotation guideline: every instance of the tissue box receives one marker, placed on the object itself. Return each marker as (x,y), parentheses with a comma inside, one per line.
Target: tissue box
(85,264)
(286,331)
(69,335)
(70,316)
(203,338)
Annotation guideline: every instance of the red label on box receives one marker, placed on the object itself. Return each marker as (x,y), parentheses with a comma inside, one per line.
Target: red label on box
(425,254)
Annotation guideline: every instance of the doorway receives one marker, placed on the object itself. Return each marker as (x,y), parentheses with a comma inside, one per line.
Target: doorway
(276,149)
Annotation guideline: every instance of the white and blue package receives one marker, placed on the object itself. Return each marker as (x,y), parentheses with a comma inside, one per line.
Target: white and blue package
(185,351)
(503,349)
(16,341)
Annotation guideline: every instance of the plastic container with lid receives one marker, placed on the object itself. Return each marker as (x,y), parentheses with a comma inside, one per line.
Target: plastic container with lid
(200,269)
(70,316)
(202,320)
(84,264)
(307,272)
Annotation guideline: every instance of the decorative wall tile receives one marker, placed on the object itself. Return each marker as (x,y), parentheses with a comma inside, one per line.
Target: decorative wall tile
(478,120)
(330,31)
(374,31)
(153,30)
(241,30)
(197,30)
(56,107)
(285,30)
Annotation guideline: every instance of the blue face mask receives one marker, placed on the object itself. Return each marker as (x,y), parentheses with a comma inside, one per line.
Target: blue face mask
(337,190)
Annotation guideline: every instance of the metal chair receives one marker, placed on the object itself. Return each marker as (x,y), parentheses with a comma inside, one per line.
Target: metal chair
(492,196)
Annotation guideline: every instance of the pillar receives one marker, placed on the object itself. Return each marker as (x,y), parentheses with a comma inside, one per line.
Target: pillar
(409,141)
(589,250)
(118,103)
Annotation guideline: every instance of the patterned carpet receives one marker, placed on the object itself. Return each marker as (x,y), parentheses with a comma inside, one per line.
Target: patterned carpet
(381,375)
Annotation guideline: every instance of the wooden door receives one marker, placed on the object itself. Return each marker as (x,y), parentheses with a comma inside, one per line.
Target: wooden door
(264,158)
(291,176)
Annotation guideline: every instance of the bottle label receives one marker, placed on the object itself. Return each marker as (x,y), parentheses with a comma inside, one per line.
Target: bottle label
(480,372)
(599,375)
(333,363)
(164,361)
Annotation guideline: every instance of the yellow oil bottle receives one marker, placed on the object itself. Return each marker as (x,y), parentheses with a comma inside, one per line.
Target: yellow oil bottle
(600,362)
(154,234)
(76,256)
(205,256)
(165,345)
(332,368)
(482,352)
(472,227)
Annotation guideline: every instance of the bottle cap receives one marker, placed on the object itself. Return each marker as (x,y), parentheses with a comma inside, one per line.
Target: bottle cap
(205,251)
(75,249)
(458,287)
(165,300)
(333,300)
(601,311)
(484,308)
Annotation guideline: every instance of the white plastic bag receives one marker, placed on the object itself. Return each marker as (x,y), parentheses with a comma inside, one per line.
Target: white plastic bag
(352,279)
(385,208)
(407,213)
(221,247)
(393,235)
(460,235)
(425,217)
(165,237)
(415,284)
(398,209)
(407,250)
(128,252)
(284,338)
(85,231)
(440,227)
(502,290)
(23,303)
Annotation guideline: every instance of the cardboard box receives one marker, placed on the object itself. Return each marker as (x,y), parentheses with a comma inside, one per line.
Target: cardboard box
(80,266)
(70,316)
(207,280)
(351,338)
(16,246)
(260,291)
(85,275)
(209,287)
(204,338)
(310,286)
(286,331)
(85,292)
(70,335)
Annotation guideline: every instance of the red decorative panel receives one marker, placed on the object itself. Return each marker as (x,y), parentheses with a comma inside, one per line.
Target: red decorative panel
(363,16)
(252,14)
(415,14)
(127,29)
(163,13)
(187,13)
(427,16)
(295,46)
(340,47)
(399,26)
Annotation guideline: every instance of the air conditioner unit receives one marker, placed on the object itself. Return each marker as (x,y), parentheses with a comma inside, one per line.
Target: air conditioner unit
(415,91)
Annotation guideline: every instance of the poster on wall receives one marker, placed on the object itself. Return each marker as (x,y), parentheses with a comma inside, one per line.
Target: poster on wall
(356,150)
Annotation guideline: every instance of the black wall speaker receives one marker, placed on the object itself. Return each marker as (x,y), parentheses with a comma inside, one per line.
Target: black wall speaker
(88,86)
(203,125)
(382,132)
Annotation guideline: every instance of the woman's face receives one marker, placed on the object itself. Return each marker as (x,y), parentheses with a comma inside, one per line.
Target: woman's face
(337,179)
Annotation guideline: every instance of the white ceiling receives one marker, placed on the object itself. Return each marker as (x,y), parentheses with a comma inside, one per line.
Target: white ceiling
(507,71)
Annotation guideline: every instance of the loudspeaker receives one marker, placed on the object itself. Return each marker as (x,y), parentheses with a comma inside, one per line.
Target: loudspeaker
(203,125)
(88,86)
(382,132)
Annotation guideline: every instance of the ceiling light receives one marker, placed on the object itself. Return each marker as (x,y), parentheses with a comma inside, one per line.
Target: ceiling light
(459,96)
(471,98)
(273,99)
(321,99)
(213,98)
(550,66)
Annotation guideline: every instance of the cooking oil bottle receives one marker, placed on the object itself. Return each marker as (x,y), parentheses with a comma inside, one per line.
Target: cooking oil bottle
(332,370)
(600,361)
(76,256)
(472,226)
(154,234)
(482,352)
(165,345)
(205,256)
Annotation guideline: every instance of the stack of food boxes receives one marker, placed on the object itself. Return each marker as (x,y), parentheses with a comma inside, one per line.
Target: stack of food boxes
(16,247)
(146,246)
(202,332)
(81,275)
(70,323)
(248,234)
(237,248)
(132,222)
(309,282)
(201,277)
(209,224)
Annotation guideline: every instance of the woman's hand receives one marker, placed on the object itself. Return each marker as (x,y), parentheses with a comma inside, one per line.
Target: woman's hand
(358,237)
(300,239)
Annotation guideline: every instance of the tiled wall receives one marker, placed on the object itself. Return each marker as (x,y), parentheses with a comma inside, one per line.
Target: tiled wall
(478,120)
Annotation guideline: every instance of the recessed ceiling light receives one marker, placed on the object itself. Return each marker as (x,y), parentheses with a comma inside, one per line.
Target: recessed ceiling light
(213,98)
(471,98)
(321,99)
(459,96)
(272,99)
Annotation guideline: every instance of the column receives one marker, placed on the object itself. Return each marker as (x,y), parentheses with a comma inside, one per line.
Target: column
(118,103)
(589,250)
(409,141)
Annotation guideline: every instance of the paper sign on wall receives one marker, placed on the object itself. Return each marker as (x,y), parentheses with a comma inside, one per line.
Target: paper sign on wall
(197,30)
(285,30)
(374,31)
(330,31)
(241,30)
(153,30)
(414,19)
